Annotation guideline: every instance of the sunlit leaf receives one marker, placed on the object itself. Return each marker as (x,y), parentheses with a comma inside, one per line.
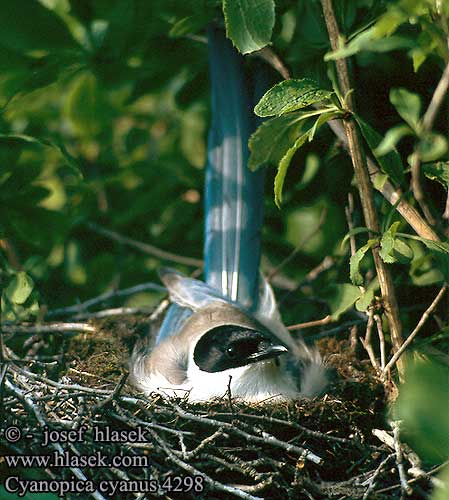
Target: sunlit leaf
(369,40)
(391,138)
(249,23)
(273,138)
(367,297)
(437,172)
(290,95)
(437,246)
(20,288)
(432,147)
(286,159)
(283,167)
(341,297)
(355,261)
(407,104)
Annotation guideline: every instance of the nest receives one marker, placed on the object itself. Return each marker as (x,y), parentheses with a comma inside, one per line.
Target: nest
(68,396)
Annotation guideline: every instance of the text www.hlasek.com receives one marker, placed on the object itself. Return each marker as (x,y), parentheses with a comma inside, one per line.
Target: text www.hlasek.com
(67,459)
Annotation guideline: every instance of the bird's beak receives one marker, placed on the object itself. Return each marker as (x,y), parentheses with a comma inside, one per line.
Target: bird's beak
(270,351)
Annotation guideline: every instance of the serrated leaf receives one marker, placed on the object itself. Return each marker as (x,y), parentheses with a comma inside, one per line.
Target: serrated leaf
(367,297)
(386,247)
(286,159)
(391,162)
(437,246)
(290,95)
(273,138)
(407,104)
(355,260)
(283,167)
(323,118)
(19,289)
(341,297)
(387,243)
(402,252)
(249,23)
(438,171)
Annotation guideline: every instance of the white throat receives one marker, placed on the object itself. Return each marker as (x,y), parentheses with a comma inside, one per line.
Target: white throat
(253,382)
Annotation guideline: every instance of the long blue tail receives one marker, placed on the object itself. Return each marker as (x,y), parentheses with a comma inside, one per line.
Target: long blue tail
(233,194)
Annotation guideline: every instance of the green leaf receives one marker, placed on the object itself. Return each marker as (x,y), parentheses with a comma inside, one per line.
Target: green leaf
(391,138)
(353,232)
(283,167)
(311,168)
(367,297)
(19,289)
(437,172)
(432,147)
(189,25)
(324,118)
(85,107)
(249,23)
(391,162)
(441,488)
(369,40)
(402,252)
(290,95)
(286,159)
(21,139)
(437,246)
(422,406)
(273,138)
(356,259)
(341,297)
(407,104)
(26,25)
(387,243)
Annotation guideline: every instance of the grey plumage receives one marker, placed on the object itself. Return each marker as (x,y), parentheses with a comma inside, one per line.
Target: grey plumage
(291,370)
(227,331)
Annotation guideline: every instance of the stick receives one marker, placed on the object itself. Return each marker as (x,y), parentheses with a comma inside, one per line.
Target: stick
(145,247)
(364,185)
(49,328)
(418,327)
(77,308)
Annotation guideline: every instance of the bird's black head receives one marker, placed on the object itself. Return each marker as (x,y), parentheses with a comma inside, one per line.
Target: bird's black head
(231,346)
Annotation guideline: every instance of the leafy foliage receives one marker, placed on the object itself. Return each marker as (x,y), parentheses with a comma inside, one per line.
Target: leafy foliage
(249,23)
(104,118)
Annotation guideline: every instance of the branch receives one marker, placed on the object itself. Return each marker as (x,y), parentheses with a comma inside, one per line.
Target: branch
(364,184)
(389,192)
(49,328)
(145,247)
(436,101)
(81,307)
(418,327)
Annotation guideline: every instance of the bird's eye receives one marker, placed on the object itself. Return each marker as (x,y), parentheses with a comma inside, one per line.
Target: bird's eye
(231,351)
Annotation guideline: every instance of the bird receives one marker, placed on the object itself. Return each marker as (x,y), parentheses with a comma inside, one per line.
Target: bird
(225,335)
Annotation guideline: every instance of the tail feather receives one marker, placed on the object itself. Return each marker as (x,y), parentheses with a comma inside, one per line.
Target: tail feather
(234,194)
